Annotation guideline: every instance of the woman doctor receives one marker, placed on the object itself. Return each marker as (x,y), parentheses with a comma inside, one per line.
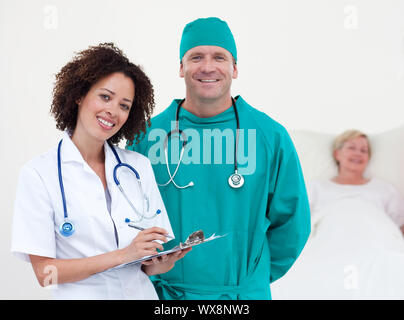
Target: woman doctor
(99,98)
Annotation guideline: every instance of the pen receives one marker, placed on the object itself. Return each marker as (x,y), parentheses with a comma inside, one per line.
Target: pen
(130,224)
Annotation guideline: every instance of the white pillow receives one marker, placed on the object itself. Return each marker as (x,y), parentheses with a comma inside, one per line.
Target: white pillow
(387,161)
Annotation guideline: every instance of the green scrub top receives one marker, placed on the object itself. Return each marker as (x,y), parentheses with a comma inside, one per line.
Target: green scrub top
(267,220)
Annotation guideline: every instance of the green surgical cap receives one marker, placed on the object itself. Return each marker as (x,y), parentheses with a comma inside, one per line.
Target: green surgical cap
(207,32)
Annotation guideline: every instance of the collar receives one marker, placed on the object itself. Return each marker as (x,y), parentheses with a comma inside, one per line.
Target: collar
(70,153)
(225,116)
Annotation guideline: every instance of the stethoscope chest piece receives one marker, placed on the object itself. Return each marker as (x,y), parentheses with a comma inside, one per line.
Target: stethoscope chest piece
(236,180)
(66,228)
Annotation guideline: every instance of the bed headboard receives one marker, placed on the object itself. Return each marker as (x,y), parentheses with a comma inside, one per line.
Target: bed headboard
(387,162)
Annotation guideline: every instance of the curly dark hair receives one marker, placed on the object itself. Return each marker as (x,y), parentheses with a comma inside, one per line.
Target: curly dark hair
(89,66)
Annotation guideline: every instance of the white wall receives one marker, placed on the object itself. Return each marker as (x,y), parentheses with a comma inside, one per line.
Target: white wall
(323,65)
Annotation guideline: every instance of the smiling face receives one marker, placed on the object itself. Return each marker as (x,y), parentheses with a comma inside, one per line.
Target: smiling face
(208,72)
(105,108)
(353,156)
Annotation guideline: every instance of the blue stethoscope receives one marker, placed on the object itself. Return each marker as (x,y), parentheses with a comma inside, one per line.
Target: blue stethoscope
(67,227)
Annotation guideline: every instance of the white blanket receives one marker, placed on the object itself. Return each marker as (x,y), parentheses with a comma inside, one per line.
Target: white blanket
(355,252)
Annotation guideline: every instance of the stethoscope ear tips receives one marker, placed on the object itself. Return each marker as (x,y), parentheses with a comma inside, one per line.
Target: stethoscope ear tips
(190,184)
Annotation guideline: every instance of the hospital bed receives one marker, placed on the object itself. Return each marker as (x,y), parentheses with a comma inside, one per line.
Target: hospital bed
(324,273)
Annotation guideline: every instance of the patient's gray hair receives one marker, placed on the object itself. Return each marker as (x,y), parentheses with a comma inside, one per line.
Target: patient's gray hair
(348,135)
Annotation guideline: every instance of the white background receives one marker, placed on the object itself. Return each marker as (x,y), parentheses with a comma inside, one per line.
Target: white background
(322,65)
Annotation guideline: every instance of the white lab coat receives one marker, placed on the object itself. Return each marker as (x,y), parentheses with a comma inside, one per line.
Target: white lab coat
(39,213)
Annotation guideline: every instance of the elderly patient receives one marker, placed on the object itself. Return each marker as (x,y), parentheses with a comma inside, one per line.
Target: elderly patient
(352,152)
(356,248)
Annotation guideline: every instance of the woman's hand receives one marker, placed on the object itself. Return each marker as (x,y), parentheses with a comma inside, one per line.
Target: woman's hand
(164,263)
(144,244)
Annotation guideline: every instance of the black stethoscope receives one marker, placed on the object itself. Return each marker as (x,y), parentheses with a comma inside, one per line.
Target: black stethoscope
(235,180)
(67,227)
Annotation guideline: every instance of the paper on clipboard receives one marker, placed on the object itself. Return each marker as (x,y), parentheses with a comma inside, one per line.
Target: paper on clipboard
(181,246)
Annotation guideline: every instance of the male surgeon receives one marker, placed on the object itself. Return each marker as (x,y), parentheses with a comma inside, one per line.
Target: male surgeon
(231,171)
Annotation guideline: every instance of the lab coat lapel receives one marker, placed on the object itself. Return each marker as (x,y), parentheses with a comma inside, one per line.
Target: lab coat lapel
(69,151)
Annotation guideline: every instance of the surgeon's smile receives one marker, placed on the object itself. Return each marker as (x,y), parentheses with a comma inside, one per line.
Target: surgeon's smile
(208,84)
(208,80)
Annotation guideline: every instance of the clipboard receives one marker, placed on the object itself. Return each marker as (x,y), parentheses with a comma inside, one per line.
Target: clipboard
(181,246)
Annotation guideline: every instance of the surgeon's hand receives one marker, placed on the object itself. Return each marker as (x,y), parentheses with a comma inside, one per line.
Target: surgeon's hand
(144,244)
(164,263)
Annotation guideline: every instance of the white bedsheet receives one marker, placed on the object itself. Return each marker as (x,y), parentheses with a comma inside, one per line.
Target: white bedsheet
(355,252)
